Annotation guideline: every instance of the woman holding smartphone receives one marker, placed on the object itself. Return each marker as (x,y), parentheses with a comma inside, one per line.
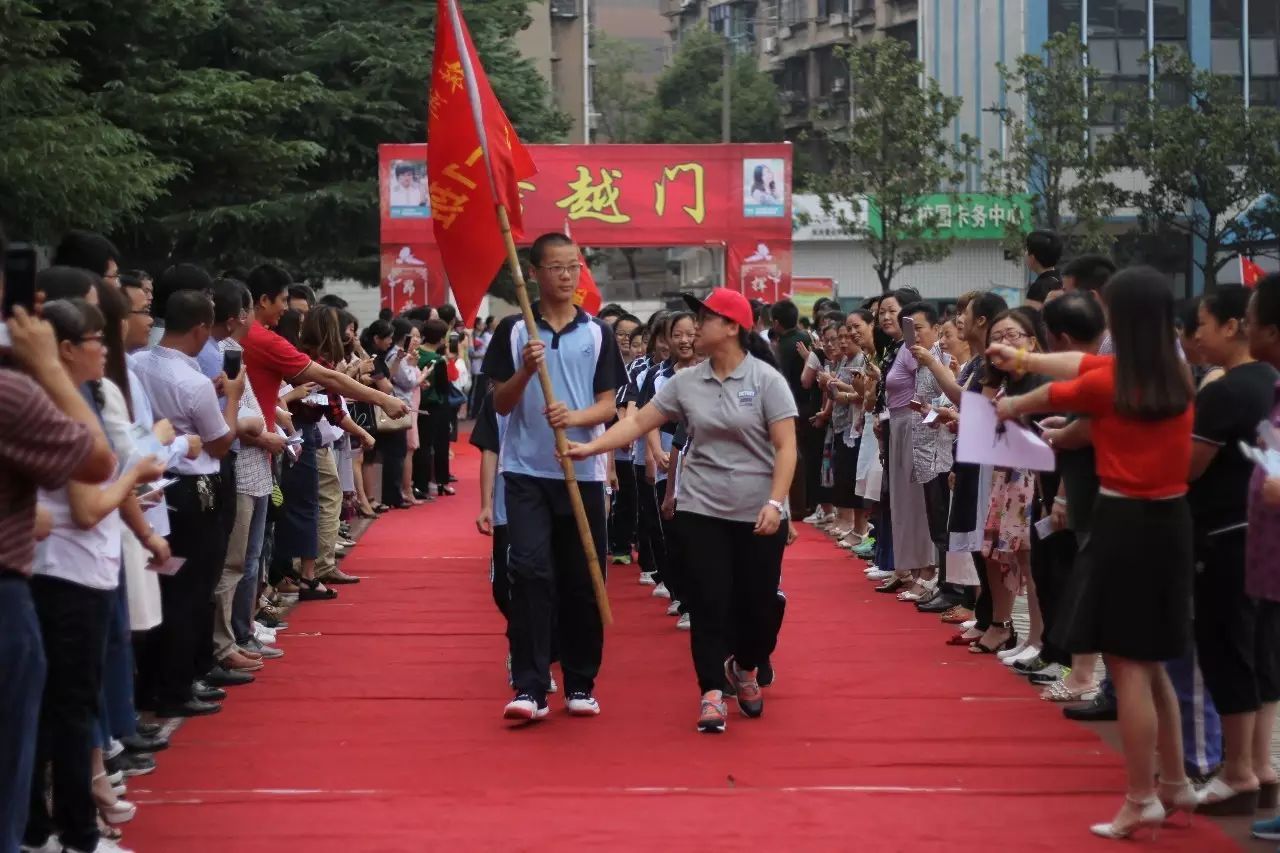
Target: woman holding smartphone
(733,483)
(1130,593)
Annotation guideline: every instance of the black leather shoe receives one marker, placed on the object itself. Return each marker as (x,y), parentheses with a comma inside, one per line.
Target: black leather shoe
(131,764)
(940,603)
(142,743)
(149,729)
(206,692)
(190,708)
(222,677)
(1100,710)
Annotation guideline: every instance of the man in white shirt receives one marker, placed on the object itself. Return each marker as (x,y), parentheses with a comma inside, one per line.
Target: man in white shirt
(179,650)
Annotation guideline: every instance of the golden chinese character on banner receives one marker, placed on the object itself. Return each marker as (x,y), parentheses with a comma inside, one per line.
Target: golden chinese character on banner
(594,201)
(452,74)
(697,211)
(448,203)
(435,104)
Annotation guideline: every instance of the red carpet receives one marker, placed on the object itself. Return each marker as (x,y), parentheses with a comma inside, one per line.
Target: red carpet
(381,730)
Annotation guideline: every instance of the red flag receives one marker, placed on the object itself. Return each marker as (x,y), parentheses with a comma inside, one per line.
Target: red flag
(474,162)
(1250,273)
(587,296)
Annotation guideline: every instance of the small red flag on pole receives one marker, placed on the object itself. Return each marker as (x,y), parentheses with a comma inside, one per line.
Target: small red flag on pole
(587,296)
(465,127)
(1250,272)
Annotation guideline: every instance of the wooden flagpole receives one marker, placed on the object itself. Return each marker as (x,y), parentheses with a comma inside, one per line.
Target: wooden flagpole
(526,309)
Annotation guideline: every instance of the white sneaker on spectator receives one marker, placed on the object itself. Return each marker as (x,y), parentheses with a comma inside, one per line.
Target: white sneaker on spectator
(683,622)
(582,705)
(1008,654)
(51,845)
(674,609)
(264,635)
(817,517)
(661,591)
(1027,655)
(646,579)
(879,575)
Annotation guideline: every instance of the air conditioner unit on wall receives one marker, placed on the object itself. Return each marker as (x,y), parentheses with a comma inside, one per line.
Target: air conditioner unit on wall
(770,44)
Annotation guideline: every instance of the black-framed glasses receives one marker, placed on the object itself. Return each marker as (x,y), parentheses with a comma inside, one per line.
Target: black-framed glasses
(85,339)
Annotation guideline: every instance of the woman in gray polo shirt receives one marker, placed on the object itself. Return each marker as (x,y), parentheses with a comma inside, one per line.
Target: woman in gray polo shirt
(731,519)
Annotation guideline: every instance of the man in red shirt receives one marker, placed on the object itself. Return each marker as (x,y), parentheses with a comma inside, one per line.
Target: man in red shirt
(270,359)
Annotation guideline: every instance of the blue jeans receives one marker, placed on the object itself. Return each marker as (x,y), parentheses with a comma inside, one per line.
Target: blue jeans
(120,719)
(22,672)
(243,607)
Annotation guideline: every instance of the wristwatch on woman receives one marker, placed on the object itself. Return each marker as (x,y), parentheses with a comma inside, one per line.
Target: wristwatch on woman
(780,507)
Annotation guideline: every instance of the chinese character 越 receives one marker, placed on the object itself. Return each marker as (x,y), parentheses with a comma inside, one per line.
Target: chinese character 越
(451,74)
(697,211)
(594,201)
(978,215)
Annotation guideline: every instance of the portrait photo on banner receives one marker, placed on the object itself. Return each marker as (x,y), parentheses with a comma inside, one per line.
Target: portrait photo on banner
(764,187)
(407,190)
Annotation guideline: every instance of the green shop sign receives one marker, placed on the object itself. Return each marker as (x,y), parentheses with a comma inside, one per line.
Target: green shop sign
(967,216)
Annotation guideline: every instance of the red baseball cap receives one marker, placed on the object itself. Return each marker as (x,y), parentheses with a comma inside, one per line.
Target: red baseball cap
(729,304)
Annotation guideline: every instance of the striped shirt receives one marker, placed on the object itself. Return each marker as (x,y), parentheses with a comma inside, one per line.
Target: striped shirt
(39,447)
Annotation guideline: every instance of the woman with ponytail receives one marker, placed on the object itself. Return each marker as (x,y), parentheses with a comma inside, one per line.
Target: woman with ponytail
(731,515)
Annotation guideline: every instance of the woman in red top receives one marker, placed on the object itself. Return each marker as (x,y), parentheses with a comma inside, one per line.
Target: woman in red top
(1131,592)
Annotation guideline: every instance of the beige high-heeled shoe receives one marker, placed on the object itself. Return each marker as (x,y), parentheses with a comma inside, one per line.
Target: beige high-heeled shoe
(111,808)
(1150,814)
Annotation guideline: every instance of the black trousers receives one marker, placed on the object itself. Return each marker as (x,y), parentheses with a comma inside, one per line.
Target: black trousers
(1051,563)
(622,517)
(983,607)
(431,459)
(731,579)
(653,548)
(550,586)
(393,447)
(73,624)
(673,572)
(1237,637)
(179,650)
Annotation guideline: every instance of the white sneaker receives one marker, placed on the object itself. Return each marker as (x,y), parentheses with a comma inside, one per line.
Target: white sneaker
(264,635)
(965,626)
(582,705)
(1008,654)
(646,579)
(817,517)
(871,568)
(661,591)
(107,845)
(879,575)
(674,609)
(683,622)
(1028,653)
(51,845)
(523,707)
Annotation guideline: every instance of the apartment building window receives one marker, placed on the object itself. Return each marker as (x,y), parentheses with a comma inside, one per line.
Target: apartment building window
(907,33)
(1171,31)
(792,12)
(1264,53)
(1117,47)
(718,18)
(1063,15)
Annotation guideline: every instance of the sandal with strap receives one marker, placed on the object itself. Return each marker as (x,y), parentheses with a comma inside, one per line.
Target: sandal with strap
(978,649)
(314,590)
(1058,691)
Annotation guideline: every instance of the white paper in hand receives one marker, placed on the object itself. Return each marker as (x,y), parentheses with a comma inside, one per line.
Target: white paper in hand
(981,443)
(1268,460)
(168,567)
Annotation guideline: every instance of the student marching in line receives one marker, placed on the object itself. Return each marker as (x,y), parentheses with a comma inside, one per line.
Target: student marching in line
(550,583)
(731,516)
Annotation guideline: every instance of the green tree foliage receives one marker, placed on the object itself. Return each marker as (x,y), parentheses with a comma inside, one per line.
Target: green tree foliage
(1047,151)
(893,151)
(688,96)
(62,163)
(1207,160)
(620,96)
(267,114)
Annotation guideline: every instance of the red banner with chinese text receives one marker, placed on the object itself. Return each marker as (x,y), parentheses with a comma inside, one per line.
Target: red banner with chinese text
(737,196)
